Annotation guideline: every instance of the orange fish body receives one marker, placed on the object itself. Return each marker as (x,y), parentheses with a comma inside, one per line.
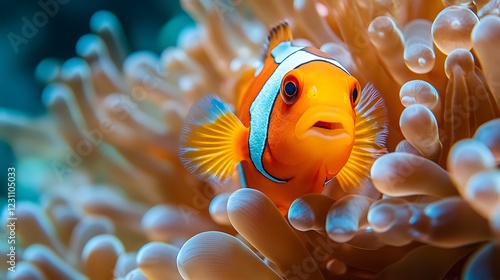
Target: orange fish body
(295,127)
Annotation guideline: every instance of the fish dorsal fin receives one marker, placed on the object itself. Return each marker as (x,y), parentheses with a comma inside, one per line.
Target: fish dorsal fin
(369,142)
(212,141)
(278,33)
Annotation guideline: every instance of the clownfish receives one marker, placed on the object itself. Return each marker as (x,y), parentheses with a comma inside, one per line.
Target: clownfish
(301,120)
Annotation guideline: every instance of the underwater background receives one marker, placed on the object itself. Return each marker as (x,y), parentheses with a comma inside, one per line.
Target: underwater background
(94,96)
(57,38)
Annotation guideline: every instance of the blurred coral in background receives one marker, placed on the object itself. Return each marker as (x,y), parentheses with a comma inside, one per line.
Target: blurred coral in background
(113,201)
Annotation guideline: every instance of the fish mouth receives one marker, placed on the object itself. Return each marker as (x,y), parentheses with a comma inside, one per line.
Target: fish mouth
(328,125)
(324,122)
(327,129)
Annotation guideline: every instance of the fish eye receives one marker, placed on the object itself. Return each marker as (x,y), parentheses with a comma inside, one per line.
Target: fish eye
(355,96)
(289,90)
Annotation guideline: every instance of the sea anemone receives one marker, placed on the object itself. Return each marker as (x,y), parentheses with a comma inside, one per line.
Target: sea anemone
(115,201)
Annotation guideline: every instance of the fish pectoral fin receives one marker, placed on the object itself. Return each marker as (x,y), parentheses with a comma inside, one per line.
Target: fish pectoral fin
(369,143)
(278,33)
(212,141)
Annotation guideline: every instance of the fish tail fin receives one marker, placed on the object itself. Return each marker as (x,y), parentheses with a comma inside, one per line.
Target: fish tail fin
(370,137)
(212,141)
